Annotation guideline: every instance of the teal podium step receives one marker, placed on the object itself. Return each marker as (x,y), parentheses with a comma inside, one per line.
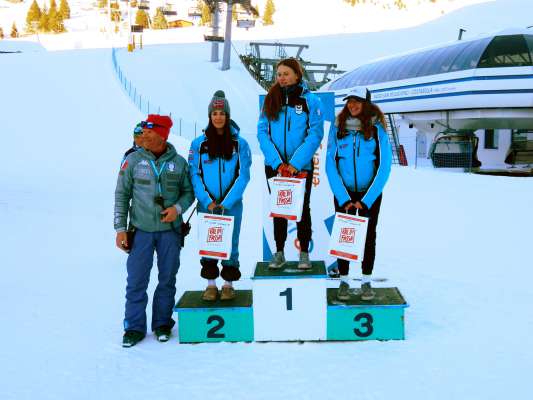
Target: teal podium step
(379,319)
(217,321)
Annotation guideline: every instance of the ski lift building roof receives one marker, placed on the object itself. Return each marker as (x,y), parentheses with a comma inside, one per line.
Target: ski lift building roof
(506,49)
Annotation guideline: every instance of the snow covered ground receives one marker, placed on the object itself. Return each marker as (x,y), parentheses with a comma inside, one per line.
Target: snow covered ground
(456,245)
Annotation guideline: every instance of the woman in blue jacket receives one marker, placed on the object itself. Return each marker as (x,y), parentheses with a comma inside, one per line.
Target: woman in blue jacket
(289,131)
(358,166)
(219,162)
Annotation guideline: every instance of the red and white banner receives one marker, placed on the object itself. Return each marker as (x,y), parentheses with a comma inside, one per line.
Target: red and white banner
(348,237)
(214,235)
(287,198)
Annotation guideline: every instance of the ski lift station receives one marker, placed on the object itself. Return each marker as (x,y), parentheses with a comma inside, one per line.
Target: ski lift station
(465,104)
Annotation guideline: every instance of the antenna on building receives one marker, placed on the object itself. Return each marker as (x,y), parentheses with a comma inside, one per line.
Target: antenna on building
(461,30)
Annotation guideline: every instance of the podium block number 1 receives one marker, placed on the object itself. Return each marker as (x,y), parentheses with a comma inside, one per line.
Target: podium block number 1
(288,294)
(289,309)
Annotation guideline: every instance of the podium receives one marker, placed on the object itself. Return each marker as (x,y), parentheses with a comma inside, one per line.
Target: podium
(379,319)
(217,321)
(289,303)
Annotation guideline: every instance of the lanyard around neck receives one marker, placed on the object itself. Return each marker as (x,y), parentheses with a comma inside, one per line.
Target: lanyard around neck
(158,174)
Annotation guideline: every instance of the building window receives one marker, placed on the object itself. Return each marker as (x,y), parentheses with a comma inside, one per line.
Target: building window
(491,139)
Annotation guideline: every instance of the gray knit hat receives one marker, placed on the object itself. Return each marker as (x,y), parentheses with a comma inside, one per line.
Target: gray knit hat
(218,102)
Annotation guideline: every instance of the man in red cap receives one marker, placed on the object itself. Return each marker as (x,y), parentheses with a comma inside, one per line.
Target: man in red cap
(154,189)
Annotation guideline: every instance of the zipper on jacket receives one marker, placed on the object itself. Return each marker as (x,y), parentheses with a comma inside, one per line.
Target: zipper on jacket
(220,178)
(289,123)
(354,160)
(285,127)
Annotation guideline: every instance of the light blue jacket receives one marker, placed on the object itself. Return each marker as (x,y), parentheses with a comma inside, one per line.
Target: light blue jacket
(297,132)
(218,179)
(358,165)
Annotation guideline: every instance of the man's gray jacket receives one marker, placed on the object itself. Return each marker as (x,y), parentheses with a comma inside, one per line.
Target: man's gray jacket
(138,182)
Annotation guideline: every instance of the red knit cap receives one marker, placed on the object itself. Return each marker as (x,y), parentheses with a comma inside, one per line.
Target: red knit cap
(163,124)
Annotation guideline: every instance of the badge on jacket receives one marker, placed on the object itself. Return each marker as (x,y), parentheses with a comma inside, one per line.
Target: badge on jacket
(299,109)
(171,166)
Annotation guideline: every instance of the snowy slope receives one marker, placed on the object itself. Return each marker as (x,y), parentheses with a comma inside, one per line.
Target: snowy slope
(182,81)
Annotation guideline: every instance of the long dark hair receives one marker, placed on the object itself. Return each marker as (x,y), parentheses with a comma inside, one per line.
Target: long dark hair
(274,98)
(369,111)
(219,145)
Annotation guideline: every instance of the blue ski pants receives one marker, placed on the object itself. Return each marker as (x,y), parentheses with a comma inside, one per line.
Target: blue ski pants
(140,261)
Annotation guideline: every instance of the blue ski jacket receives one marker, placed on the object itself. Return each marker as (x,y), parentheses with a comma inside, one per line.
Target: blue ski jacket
(218,179)
(358,165)
(296,134)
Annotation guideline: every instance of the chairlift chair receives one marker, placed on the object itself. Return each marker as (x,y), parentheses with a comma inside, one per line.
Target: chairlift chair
(245,23)
(194,12)
(454,149)
(213,38)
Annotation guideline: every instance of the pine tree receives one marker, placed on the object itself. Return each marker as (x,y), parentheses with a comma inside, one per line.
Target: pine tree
(206,15)
(55,19)
(14,31)
(160,21)
(64,9)
(33,15)
(44,25)
(270,9)
(141,18)
(234,13)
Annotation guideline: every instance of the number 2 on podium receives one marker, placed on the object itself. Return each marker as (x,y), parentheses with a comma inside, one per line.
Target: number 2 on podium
(288,294)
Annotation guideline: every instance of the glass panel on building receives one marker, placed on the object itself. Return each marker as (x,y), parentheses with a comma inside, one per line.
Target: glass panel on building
(529,41)
(469,57)
(432,64)
(491,139)
(506,51)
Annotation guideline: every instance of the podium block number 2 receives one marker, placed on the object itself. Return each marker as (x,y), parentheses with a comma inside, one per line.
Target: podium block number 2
(288,293)
(212,333)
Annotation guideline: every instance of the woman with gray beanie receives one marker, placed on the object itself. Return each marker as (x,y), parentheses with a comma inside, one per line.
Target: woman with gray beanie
(219,164)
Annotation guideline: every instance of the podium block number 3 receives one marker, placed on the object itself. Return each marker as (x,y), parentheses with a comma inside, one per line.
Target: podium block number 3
(365,328)
(288,293)
(219,324)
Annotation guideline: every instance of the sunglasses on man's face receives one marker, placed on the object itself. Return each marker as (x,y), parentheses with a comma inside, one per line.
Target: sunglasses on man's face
(150,125)
(138,130)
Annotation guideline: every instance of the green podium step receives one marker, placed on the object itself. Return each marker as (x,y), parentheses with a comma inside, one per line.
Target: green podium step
(379,319)
(290,270)
(217,321)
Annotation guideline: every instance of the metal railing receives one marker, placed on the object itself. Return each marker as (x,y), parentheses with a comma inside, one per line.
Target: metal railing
(181,127)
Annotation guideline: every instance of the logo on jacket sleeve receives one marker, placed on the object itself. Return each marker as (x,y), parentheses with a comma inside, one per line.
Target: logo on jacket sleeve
(124,165)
